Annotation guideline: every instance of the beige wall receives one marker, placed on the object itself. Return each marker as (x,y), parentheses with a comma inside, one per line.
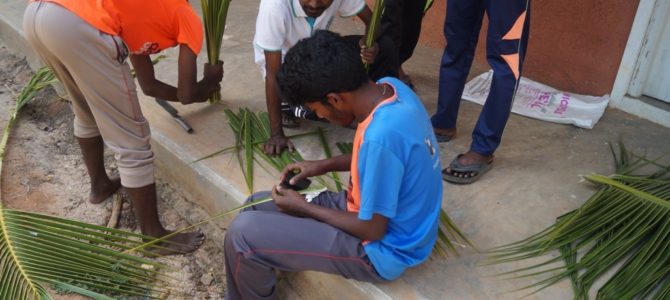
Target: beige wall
(574,45)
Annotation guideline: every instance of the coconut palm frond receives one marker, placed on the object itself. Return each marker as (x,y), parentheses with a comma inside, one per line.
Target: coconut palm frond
(624,226)
(345,147)
(234,148)
(38,249)
(214,14)
(252,141)
(450,238)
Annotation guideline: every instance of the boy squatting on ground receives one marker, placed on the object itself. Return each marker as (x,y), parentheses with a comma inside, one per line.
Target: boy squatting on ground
(387,219)
(281,24)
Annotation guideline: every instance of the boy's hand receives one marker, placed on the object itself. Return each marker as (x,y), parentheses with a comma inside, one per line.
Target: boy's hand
(276,144)
(305,169)
(214,73)
(368,55)
(289,201)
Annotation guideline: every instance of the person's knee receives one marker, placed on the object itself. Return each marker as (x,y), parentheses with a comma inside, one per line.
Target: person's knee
(136,168)
(85,129)
(237,232)
(257,196)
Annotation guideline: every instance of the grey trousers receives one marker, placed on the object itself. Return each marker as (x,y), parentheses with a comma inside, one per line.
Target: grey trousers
(261,239)
(91,66)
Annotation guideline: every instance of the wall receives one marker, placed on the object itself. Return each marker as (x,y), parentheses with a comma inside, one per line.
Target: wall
(574,45)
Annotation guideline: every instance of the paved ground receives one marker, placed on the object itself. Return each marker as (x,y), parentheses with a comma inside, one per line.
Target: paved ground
(535,178)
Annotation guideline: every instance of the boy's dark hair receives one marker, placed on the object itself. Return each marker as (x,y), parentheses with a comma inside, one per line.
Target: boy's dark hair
(318,65)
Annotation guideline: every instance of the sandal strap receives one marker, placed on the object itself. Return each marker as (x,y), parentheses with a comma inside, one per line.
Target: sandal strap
(456,166)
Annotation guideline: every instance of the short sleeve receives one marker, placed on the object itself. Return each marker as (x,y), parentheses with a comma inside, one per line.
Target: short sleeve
(380,177)
(270,27)
(189,28)
(350,8)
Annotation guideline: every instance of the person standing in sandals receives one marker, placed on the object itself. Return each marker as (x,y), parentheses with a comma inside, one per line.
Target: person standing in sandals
(86,43)
(507,39)
(386,221)
(401,21)
(280,25)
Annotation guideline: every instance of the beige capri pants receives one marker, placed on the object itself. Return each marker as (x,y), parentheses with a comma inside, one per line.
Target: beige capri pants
(92,67)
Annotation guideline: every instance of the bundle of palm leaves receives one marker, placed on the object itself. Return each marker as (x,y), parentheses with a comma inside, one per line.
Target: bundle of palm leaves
(624,227)
(38,249)
(214,13)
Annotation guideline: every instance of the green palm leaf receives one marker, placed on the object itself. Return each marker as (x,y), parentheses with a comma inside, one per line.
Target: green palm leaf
(373,29)
(38,249)
(251,131)
(214,14)
(624,227)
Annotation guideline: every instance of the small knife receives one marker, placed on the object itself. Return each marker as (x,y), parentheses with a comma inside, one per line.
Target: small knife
(175,114)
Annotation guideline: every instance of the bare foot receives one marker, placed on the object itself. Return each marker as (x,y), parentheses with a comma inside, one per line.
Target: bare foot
(102,191)
(467,159)
(182,243)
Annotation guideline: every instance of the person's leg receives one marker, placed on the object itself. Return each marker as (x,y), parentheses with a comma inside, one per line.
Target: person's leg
(392,24)
(91,57)
(102,186)
(461,29)
(146,213)
(325,199)
(412,16)
(258,243)
(386,64)
(88,136)
(505,53)
(506,48)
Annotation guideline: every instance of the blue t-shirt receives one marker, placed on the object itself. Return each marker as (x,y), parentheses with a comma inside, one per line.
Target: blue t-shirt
(397,168)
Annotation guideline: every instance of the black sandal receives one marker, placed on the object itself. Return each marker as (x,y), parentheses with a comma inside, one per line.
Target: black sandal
(475,171)
(289,121)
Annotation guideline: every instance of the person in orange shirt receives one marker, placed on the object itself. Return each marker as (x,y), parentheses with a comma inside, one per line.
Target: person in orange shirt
(86,43)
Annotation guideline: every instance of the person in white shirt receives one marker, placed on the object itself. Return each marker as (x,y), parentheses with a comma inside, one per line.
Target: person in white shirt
(281,24)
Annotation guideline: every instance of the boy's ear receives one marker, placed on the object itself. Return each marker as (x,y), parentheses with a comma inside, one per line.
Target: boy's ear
(334,99)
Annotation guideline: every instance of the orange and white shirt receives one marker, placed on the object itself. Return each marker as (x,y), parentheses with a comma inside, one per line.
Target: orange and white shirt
(147,27)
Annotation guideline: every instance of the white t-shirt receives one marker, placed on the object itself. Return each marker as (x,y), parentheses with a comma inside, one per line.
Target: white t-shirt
(282,23)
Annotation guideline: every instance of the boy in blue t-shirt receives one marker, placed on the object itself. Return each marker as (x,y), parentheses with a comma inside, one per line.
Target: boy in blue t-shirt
(387,219)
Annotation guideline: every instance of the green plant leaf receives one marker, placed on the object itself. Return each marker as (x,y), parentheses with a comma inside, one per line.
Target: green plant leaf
(214,14)
(37,249)
(623,228)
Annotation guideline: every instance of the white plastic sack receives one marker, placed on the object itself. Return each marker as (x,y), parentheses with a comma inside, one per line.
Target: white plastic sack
(542,102)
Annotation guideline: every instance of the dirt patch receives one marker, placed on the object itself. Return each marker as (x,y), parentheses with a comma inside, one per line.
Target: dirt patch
(44,172)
